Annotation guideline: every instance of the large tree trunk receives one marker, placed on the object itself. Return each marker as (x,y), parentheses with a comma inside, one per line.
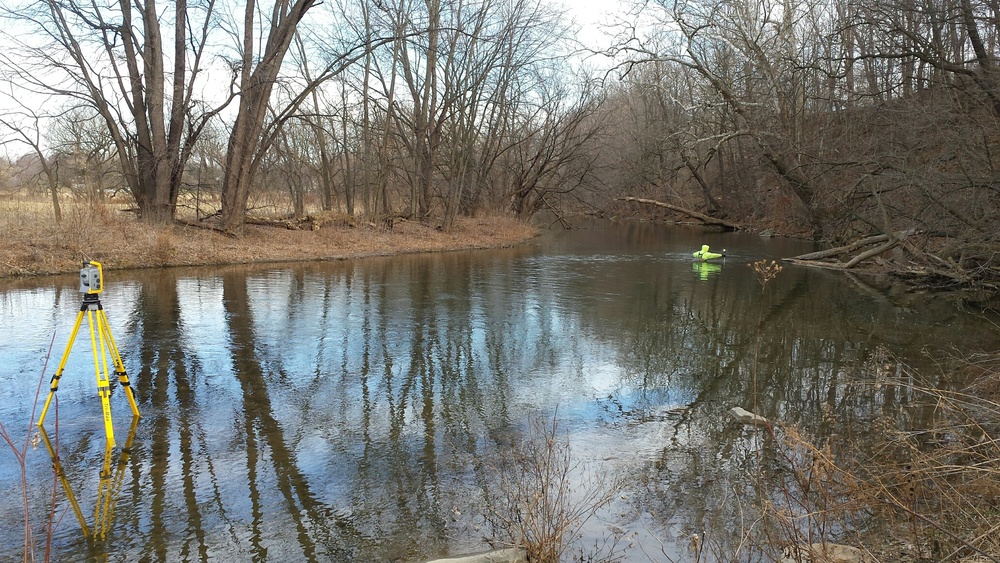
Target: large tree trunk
(124,39)
(242,155)
(151,189)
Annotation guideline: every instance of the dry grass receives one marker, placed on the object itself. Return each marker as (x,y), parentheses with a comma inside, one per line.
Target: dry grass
(906,490)
(918,481)
(940,481)
(20,449)
(36,245)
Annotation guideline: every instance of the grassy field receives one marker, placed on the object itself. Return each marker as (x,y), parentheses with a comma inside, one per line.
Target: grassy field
(35,244)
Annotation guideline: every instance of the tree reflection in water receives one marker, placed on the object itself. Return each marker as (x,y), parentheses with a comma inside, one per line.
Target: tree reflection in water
(335,412)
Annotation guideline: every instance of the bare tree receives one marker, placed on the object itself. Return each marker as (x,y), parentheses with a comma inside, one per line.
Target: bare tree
(257,76)
(79,143)
(261,116)
(467,79)
(755,61)
(27,130)
(552,159)
(322,133)
(112,57)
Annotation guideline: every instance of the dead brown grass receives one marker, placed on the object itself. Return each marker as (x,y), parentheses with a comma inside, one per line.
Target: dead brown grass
(33,244)
(923,484)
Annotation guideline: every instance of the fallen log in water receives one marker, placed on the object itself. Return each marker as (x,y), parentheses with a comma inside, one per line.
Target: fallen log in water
(707,219)
(746,417)
(831,252)
(510,555)
(822,258)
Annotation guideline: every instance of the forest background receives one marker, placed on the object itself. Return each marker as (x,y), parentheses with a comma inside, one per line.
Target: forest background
(839,120)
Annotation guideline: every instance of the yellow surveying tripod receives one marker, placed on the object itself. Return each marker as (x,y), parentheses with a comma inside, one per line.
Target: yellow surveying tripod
(91,285)
(109,486)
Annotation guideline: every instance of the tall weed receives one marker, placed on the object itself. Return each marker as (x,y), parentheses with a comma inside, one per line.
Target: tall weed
(20,451)
(540,499)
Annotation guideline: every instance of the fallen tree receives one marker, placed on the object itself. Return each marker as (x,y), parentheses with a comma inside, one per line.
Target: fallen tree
(311,222)
(921,258)
(830,258)
(707,219)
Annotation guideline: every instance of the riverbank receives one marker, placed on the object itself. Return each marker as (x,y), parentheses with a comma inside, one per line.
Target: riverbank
(39,247)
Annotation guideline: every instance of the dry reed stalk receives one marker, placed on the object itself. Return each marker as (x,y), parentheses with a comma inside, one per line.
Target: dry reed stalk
(541,498)
(922,493)
(20,454)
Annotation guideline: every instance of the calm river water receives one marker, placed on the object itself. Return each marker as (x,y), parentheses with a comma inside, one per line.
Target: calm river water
(343,411)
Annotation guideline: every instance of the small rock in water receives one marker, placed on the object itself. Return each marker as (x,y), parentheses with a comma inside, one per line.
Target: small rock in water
(747,417)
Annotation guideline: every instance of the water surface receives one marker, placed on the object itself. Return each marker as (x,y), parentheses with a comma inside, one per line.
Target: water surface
(340,411)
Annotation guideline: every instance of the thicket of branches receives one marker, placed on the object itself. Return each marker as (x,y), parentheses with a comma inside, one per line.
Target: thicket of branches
(834,119)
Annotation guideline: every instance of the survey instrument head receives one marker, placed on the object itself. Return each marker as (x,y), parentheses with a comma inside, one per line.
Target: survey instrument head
(91,278)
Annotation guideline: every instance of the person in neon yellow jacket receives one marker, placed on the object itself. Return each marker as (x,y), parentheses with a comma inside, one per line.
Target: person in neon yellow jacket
(704,254)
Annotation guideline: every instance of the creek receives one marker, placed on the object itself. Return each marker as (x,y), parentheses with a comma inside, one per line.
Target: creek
(347,411)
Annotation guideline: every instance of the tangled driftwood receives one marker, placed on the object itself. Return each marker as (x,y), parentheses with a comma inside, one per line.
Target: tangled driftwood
(830,258)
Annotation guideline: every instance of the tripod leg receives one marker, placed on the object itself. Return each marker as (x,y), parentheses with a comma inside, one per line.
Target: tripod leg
(57,464)
(105,501)
(54,384)
(116,358)
(103,387)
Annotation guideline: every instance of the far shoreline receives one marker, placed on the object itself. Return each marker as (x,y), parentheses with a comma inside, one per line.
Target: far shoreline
(44,249)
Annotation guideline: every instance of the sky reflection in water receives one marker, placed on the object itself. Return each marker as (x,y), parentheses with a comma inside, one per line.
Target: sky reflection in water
(337,411)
